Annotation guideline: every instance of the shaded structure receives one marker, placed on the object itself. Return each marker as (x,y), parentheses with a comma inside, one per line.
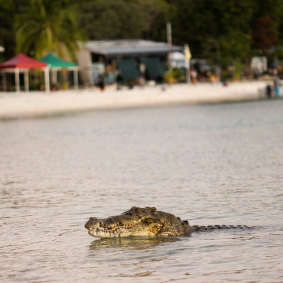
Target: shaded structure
(22,64)
(55,63)
(129,58)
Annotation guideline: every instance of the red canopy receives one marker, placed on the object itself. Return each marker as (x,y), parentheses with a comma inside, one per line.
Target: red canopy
(22,61)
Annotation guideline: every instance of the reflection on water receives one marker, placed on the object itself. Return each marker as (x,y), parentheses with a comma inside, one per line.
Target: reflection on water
(138,243)
(209,164)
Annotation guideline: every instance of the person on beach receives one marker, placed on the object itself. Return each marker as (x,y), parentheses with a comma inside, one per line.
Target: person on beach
(268,91)
(224,81)
(101,82)
(119,80)
(212,79)
(142,68)
(193,75)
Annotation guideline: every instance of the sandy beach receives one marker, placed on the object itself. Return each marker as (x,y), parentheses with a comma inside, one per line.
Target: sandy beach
(38,104)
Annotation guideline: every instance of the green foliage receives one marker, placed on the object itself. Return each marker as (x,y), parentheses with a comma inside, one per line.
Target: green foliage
(116,19)
(8,10)
(264,34)
(219,30)
(46,26)
(175,75)
(214,28)
(110,19)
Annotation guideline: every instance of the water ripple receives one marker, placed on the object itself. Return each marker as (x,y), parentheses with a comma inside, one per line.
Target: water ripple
(209,164)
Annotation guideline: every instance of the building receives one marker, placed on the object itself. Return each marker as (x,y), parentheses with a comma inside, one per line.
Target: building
(127,59)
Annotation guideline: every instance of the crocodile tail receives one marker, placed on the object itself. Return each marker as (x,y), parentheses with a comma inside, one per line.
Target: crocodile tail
(198,228)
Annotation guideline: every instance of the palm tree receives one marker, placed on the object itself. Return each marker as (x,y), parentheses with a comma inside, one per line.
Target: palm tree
(47,26)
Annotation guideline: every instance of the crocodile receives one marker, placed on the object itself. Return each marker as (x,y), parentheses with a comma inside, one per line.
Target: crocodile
(146,222)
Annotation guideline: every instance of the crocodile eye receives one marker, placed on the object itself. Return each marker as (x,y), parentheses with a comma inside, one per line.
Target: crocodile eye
(153,209)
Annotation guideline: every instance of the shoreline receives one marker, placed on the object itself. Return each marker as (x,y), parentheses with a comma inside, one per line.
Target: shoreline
(40,104)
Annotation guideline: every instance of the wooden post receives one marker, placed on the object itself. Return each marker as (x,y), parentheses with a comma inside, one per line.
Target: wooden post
(54,76)
(4,82)
(17,79)
(169,41)
(76,78)
(46,79)
(26,81)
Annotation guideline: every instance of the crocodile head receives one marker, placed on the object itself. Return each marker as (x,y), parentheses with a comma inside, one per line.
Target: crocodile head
(138,222)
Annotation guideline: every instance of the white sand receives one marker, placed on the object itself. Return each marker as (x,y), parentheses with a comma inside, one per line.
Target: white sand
(32,104)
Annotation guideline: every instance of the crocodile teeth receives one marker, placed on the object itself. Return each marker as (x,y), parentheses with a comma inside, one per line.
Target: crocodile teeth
(116,229)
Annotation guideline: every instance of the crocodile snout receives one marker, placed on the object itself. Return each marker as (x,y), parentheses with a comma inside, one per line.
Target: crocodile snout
(92,223)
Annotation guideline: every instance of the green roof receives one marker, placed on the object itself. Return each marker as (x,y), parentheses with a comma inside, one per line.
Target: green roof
(55,62)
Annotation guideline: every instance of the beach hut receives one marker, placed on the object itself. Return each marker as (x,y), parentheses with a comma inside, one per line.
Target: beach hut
(22,64)
(96,58)
(55,63)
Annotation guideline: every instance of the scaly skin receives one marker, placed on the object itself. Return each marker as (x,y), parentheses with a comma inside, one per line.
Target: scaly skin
(144,222)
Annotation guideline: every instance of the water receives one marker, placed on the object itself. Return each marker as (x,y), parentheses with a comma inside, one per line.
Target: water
(210,164)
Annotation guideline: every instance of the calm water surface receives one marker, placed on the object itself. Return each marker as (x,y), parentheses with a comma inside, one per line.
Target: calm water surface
(210,164)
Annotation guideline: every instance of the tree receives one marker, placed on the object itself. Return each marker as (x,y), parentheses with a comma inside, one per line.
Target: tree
(264,34)
(155,13)
(46,26)
(6,31)
(214,27)
(120,19)
(111,19)
(267,27)
(8,10)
